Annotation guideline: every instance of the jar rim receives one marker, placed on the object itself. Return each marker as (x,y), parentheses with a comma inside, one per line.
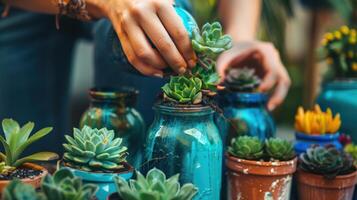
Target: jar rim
(341,83)
(247,97)
(188,109)
(112,93)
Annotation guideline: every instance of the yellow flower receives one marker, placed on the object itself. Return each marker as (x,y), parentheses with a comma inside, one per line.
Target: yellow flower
(316,121)
(345,30)
(329,36)
(338,35)
(324,42)
(354,66)
(352,40)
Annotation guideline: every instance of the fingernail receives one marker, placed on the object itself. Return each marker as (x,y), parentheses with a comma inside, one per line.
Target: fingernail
(192,63)
(271,107)
(182,70)
(158,75)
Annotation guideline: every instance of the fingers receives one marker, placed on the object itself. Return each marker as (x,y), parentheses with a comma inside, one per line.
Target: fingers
(174,26)
(279,94)
(140,45)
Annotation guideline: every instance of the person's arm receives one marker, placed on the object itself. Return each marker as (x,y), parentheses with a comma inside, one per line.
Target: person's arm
(138,24)
(241,19)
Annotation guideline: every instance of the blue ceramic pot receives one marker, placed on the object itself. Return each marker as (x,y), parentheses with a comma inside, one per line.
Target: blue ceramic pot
(185,140)
(341,97)
(114,109)
(245,114)
(304,141)
(104,181)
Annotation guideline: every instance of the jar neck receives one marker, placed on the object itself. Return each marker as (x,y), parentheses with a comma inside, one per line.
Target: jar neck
(122,98)
(184,112)
(238,99)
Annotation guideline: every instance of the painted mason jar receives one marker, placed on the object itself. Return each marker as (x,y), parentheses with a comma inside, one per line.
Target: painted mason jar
(114,109)
(341,97)
(186,140)
(244,114)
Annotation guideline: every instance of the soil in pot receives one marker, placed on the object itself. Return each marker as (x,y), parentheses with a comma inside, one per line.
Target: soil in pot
(312,186)
(21,173)
(257,180)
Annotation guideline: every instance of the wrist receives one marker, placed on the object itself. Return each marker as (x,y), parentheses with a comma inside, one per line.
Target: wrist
(96,8)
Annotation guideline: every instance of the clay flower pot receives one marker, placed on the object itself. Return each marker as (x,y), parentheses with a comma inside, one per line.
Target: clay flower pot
(313,186)
(35,182)
(256,180)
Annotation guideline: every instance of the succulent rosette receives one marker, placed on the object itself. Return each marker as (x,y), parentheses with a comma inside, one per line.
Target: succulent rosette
(183,89)
(279,149)
(242,80)
(246,147)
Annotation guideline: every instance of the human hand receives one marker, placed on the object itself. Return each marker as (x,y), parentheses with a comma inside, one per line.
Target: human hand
(141,23)
(266,60)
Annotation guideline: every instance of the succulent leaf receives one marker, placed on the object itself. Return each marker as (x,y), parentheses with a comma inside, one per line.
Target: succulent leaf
(16,190)
(183,90)
(247,147)
(279,149)
(94,150)
(154,186)
(242,80)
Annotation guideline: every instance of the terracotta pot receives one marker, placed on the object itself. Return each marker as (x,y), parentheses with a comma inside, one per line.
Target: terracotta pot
(35,182)
(257,180)
(312,186)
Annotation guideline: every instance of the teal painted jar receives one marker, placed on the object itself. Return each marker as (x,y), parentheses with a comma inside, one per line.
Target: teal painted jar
(104,181)
(185,140)
(341,97)
(114,109)
(304,141)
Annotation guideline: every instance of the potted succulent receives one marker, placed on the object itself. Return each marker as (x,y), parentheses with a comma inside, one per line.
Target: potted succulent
(339,93)
(260,170)
(96,156)
(316,127)
(326,173)
(63,185)
(154,186)
(183,139)
(13,165)
(244,106)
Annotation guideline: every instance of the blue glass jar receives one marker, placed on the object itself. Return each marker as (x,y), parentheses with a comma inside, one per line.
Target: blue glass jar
(245,114)
(186,140)
(114,109)
(304,141)
(341,97)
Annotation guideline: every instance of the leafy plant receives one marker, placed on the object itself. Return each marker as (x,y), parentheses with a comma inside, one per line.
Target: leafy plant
(63,185)
(247,147)
(183,90)
(352,150)
(317,122)
(154,186)
(94,150)
(242,80)
(327,161)
(279,149)
(16,140)
(17,190)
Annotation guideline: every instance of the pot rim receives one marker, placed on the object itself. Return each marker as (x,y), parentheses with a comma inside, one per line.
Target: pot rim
(269,168)
(43,170)
(323,137)
(199,108)
(327,183)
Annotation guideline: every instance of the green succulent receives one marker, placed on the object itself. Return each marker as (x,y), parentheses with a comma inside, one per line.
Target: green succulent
(16,140)
(210,42)
(352,150)
(183,90)
(63,185)
(154,186)
(94,150)
(242,80)
(17,190)
(247,147)
(327,161)
(279,149)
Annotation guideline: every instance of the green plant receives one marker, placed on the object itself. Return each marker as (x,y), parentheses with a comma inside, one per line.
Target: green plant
(154,186)
(242,80)
(183,89)
(352,150)
(327,161)
(247,147)
(17,190)
(63,185)
(16,140)
(94,150)
(279,149)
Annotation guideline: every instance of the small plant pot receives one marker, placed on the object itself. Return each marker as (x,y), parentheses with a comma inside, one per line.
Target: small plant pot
(305,141)
(312,186)
(256,180)
(35,181)
(104,181)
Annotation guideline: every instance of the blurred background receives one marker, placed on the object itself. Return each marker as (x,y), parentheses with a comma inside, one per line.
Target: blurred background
(294,26)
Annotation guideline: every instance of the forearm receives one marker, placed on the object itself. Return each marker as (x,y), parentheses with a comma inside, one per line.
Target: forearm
(240,18)
(94,7)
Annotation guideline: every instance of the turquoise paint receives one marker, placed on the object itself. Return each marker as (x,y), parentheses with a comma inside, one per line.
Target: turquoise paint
(341,97)
(188,21)
(104,181)
(304,141)
(186,140)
